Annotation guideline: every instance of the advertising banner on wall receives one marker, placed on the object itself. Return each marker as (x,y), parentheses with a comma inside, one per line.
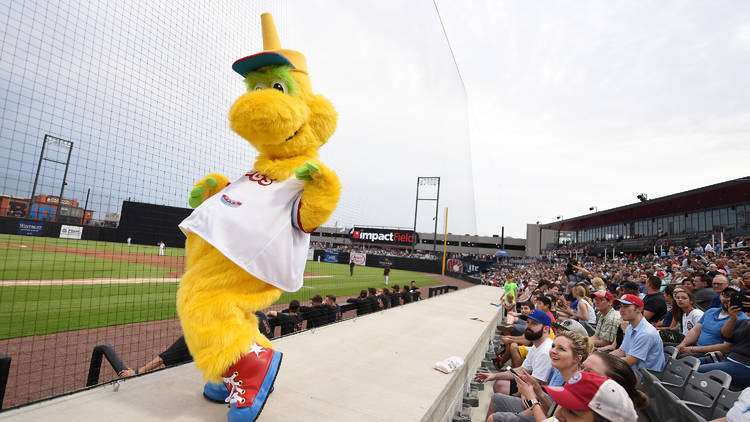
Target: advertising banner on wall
(387,237)
(71,232)
(30,228)
(358,258)
(473,267)
(331,257)
(454,265)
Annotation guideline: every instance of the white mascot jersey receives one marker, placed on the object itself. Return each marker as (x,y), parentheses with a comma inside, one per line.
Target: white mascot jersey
(254,222)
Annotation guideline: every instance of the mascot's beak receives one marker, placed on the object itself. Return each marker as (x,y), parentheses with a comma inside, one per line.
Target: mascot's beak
(268,117)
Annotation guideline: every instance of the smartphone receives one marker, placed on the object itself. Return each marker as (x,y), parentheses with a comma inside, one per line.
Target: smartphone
(737,298)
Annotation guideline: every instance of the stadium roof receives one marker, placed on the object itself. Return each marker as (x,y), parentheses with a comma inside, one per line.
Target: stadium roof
(721,194)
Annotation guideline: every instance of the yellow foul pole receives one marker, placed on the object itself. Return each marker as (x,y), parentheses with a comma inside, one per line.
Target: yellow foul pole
(445,238)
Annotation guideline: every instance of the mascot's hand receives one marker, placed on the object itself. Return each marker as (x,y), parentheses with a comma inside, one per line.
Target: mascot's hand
(206,188)
(305,172)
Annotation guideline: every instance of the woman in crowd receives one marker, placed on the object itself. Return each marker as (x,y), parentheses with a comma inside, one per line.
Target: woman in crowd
(685,301)
(673,333)
(598,284)
(569,350)
(589,398)
(585,311)
(616,368)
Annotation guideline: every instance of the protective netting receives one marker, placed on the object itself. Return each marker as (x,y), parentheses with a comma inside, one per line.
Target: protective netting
(112,111)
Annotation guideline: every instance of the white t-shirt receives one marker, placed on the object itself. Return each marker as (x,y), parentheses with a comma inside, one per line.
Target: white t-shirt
(254,222)
(741,409)
(689,320)
(592,312)
(537,362)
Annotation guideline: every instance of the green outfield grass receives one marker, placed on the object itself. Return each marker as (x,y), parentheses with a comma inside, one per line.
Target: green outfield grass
(89,244)
(35,310)
(29,264)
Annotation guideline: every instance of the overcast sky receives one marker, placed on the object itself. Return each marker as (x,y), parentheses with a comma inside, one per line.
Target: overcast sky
(571,104)
(525,110)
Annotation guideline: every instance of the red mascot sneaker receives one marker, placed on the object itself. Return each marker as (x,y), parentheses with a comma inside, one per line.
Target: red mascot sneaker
(250,381)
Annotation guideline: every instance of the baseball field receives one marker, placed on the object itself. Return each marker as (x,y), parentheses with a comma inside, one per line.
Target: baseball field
(50,285)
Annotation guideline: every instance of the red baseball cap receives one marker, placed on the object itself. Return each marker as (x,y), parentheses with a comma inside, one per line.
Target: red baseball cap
(603,294)
(631,300)
(589,391)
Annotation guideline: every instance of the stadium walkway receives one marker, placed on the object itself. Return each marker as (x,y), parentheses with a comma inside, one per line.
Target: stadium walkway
(374,368)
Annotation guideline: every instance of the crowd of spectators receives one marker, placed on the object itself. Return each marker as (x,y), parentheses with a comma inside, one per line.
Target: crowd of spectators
(611,317)
(376,250)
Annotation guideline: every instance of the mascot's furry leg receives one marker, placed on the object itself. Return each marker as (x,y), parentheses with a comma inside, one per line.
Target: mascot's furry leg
(216,303)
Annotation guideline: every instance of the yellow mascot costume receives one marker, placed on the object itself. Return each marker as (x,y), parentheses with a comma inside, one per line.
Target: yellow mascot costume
(247,241)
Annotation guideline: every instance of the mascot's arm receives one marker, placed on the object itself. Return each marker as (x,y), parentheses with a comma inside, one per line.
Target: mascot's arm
(207,187)
(320,196)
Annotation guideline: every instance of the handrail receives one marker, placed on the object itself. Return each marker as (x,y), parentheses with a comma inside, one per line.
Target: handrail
(96,362)
(4,370)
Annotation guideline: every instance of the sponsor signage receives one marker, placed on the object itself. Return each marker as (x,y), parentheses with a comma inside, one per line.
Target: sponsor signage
(454,265)
(358,258)
(473,267)
(383,236)
(71,232)
(331,257)
(30,228)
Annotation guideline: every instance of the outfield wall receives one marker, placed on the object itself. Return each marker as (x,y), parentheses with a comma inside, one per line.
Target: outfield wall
(397,262)
(10,225)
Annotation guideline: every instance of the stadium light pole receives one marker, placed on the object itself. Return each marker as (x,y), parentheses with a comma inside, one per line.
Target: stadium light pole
(48,139)
(539,226)
(427,181)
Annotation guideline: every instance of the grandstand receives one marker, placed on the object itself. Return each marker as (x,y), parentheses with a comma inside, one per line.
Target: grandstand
(677,220)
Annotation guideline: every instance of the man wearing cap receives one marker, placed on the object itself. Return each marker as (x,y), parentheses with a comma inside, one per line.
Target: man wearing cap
(605,332)
(642,345)
(537,362)
(705,337)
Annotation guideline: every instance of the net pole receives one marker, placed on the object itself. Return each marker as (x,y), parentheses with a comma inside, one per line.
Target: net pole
(445,239)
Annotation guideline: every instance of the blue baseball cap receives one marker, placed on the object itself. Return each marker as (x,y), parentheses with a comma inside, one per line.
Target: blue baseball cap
(539,316)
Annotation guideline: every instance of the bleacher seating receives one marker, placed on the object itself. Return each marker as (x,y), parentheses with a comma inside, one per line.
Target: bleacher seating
(725,402)
(676,373)
(665,406)
(687,395)
(704,389)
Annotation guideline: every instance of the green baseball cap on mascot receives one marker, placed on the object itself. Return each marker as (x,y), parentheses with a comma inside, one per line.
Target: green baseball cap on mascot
(272,54)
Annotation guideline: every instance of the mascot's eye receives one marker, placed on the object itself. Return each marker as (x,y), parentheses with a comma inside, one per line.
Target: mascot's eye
(281,86)
(259,86)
